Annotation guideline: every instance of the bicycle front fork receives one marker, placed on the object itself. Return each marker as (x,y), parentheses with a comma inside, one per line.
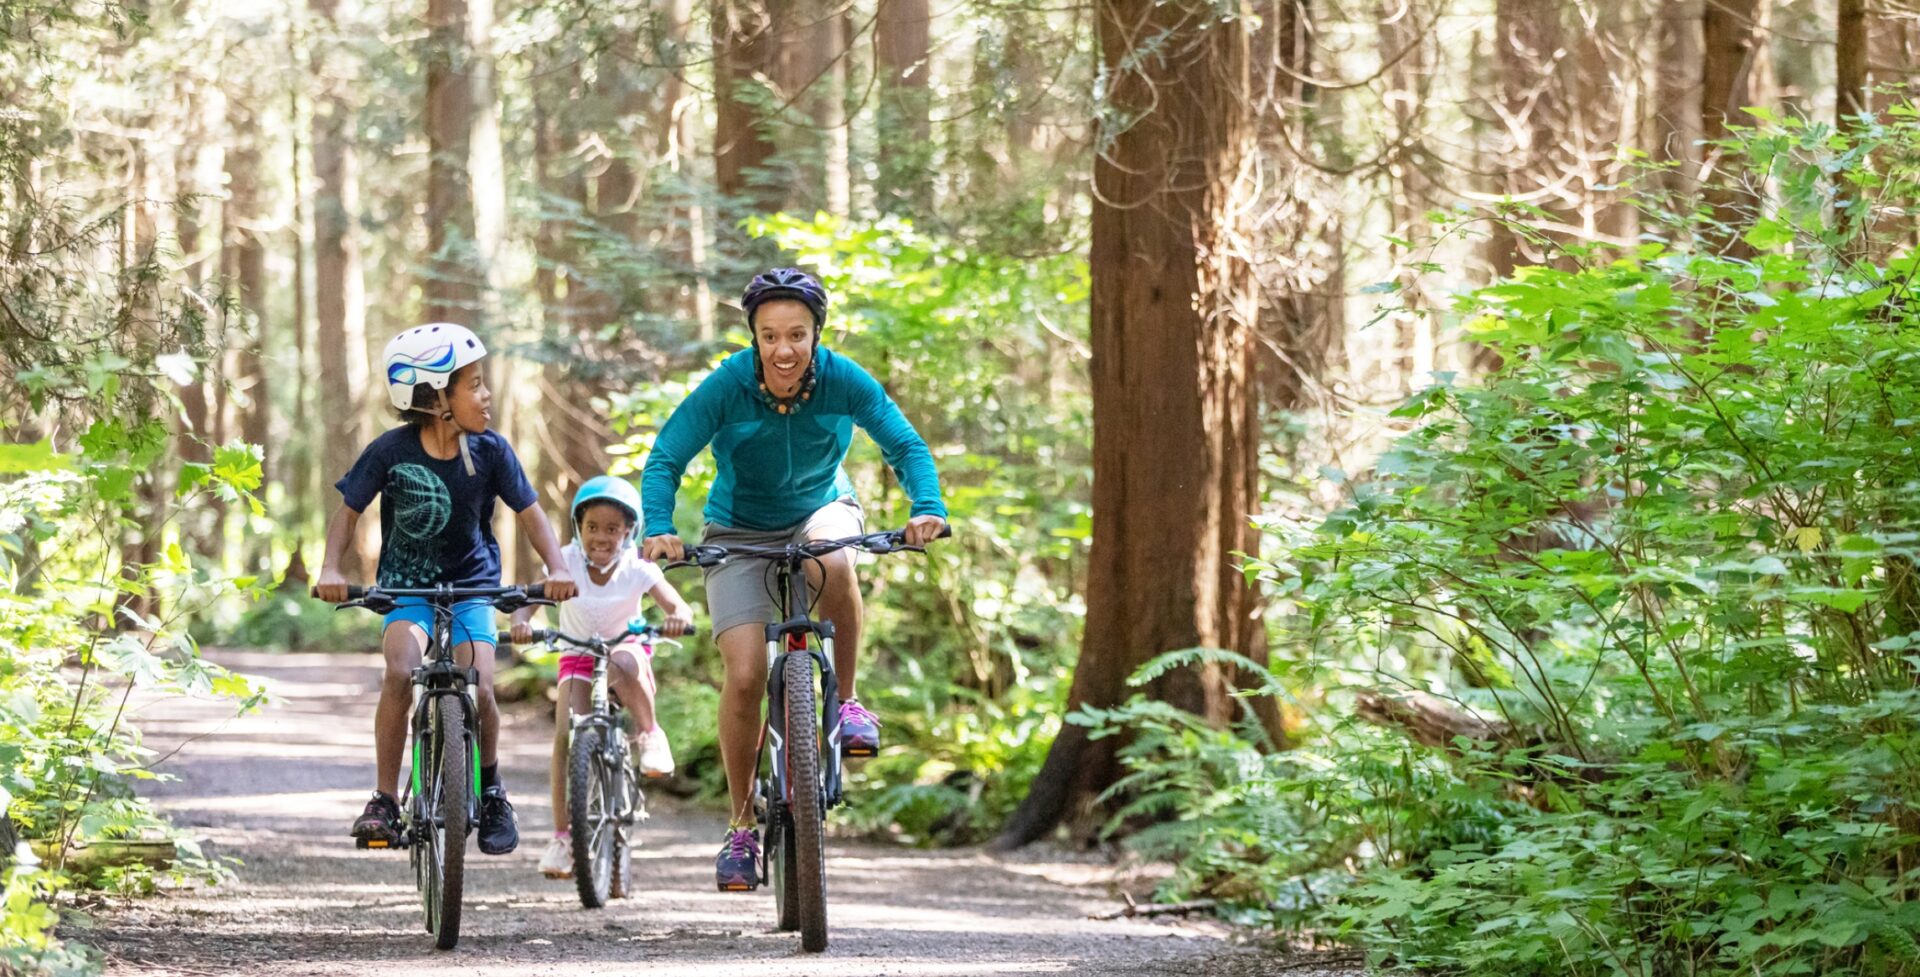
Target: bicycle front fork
(793,636)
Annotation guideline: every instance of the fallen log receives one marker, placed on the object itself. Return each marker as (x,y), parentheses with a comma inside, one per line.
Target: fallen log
(1429,719)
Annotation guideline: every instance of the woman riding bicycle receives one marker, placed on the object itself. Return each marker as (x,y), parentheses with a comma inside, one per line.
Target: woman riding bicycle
(780,417)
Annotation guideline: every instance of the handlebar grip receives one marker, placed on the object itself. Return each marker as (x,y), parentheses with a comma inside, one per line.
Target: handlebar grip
(506,637)
(946,530)
(353,592)
(537,591)
(503,638)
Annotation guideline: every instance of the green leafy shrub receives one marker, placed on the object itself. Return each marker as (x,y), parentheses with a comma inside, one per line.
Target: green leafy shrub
(1660,566)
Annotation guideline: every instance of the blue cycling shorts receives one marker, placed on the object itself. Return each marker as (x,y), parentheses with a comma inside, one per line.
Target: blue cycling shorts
(472,619)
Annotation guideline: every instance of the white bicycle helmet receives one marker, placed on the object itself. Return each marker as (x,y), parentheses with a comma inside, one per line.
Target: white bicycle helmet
(427,354)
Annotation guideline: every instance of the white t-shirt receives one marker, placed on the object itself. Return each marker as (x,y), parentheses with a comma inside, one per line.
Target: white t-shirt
(603,611)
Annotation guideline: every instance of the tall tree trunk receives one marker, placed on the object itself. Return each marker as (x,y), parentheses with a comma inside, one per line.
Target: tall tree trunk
(1173,317)
(902,51)
(1850,64)
(681,108)
(744,53)
(1675,119)
(297,463)
(1302,271)
(339,280)
(486,165)
(451,288)
(1731,39)
(245,255)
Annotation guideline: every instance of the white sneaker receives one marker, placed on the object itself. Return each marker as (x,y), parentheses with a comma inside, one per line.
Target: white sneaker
(557,863)
(656,757)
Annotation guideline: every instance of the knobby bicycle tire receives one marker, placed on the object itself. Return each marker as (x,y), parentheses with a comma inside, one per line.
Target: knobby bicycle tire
(808,816)
(455,794)
(591,812)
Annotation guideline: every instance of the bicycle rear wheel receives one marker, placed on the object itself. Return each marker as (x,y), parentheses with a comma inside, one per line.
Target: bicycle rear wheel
(448,798)
(591,816)
(806,810)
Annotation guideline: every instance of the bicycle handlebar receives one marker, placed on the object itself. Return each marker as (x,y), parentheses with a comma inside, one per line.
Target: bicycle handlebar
(551,634)
(384,598)
(891,541)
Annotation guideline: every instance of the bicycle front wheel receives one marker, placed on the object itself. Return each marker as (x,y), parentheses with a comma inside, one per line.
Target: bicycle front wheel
(449,798)
(806,810)
(592,811)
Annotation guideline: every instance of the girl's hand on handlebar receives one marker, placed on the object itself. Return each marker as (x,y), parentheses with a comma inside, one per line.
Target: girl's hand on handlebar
(676,625)
(332,587)
(922,530)
(522,632)
(664,548)
(559,585)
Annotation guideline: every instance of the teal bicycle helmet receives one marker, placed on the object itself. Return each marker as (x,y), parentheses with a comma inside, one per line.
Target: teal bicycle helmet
(606,488)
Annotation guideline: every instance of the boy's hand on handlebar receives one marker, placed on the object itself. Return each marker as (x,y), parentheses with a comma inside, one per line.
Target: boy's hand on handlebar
(332,587)
(559,585)
(922,530)
(664,548)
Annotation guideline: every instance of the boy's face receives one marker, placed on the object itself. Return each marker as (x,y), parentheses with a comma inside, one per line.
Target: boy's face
(784,330)
(602,528)
(469,399)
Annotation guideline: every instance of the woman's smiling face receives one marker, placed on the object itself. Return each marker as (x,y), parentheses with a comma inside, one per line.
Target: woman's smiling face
(783,330)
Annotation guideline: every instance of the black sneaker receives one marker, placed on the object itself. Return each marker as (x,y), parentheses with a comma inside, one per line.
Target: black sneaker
(378,826)
(499,832)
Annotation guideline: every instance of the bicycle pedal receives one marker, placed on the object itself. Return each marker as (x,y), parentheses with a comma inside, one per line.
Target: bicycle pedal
(372,843)
(859,753)
(737,887)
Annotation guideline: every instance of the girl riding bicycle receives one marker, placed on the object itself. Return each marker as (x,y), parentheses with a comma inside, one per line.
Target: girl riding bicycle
(437,477)
(780,417)
(612,579)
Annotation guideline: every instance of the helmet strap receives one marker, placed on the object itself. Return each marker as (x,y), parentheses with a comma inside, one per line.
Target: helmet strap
(446,415)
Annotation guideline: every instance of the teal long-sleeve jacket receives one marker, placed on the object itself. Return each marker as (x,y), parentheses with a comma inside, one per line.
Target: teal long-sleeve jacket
(774,470)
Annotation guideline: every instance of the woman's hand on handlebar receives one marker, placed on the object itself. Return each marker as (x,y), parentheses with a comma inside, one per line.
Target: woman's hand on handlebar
(664,548)
(922,530)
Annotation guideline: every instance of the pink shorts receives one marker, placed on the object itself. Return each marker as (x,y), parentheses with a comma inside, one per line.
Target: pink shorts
(581,666)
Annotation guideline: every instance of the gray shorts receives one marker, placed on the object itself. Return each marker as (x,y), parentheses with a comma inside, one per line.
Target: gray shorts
(741,592)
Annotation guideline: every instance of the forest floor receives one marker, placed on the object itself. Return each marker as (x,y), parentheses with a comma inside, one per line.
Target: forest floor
(276,790)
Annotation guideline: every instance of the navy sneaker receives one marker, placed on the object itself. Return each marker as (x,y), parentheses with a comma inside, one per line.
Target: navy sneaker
(737,869)
(379,825)
(859,730)
(499,830)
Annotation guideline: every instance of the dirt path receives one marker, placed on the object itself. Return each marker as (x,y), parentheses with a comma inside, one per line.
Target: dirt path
(278,789)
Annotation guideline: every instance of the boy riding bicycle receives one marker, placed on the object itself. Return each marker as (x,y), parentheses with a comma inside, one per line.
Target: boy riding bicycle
(437,478)
(612,579)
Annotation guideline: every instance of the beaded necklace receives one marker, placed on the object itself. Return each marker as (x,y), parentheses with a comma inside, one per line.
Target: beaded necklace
(786,405)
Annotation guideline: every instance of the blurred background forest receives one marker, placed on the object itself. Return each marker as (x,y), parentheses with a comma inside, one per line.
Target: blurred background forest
(1507,397)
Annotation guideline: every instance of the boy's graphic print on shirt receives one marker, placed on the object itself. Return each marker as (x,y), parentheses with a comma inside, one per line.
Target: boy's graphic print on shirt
(436,521)
(421,509)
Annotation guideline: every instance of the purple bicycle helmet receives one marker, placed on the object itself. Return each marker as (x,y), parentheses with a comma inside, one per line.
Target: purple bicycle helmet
(786,283)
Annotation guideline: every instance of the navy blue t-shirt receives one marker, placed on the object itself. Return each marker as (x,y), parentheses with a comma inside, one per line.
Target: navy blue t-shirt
(436,521)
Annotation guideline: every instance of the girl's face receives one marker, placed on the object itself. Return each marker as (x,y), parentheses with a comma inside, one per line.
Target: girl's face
(602,529)
(469,399)
(783,330)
